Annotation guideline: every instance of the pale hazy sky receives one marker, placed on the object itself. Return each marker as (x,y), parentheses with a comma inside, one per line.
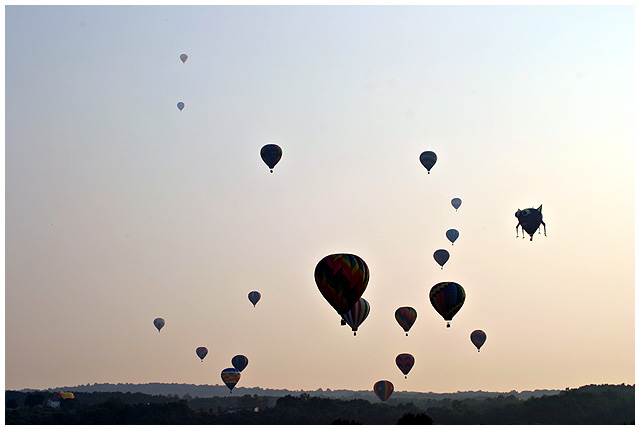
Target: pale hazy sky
(120,208)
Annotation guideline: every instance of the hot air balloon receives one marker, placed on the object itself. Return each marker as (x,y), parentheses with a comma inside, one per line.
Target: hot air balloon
(230,377)
(254,296)
(159,323)
(271,154)
(341,279)
(180,106)
(239,362)
(357,314)
(428,159)
(405,362)
(406,316)
(184,57)
(447,298)
(201,352)
(452,235)
(383,390)
(478,338)
(441,256)
(456,203)
(530,220)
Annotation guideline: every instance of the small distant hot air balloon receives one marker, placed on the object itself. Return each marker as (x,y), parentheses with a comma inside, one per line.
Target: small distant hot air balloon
(341,279)
(452,235)
(271,154)
(239,362)
(478,338)
(357,314)
(456,203)
(230,377)
(530,220)
(428,159)
(441,256)
(159,323)
(184,57)
(447,298)
(180,106)
(383,390)
(405,362)
(406,316)
(254,297)
(201,352)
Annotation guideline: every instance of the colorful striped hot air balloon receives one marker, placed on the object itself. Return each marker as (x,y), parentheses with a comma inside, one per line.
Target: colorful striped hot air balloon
(428,160)
(341,279)
(405,362)
(383,390)
(447,298)
(478,338)
(183,58)
(406,316)
(230,377)
(239,362)
(357,314)
(201,352)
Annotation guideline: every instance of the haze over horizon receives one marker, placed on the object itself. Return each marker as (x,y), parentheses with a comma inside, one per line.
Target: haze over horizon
(121,208)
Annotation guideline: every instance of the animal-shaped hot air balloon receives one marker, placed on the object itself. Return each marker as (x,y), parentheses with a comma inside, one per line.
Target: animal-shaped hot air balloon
(254,297)
(239,362)
(159,323)
(405,362)
(452,234)
(271,154)
(530,220)
(478,338)
(406,316)
(456,202)
(201,352)
(447,298)
(357,314)
(341,279)
(180,106)
(184,57)
(441,256)
(230,377)
(428,159)
(383,390)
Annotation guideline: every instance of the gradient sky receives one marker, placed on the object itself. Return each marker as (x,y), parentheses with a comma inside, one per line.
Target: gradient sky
(120,208)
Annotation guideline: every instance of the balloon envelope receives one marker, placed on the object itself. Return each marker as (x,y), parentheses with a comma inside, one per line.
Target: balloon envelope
(405,362)
(180,105)
(254,297)
(159,323)
(478,338)
(271,154)
(441,256)
(357,314)
(230,377)
(383,389)
(239,362)
(428,159)
(456,203)
(184,57)
(201,352)
(447,298)
(406,316)
(452,235)
(530,220)
(341,279)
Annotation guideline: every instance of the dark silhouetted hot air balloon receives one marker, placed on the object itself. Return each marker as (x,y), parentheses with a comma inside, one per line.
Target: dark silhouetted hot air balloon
(456,203)
(239,362)
(201,352)
(254,297)
(357,314)
(452,235)
(383,390)
(230,377)
(530,220)
(406,316)
(441,256)
(405,362)
(478,338)
(184,57)
(159,323)
(271,154)
(180,106)
(342,278)
(428,159)
(447,298)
